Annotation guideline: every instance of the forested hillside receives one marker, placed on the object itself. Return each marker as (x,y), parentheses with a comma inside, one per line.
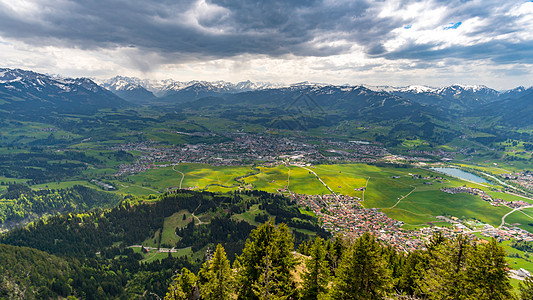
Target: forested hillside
(94,256)
(21,202)
(90,244)
(455,268)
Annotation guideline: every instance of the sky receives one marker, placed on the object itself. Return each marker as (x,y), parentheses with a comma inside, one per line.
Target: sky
(392,42)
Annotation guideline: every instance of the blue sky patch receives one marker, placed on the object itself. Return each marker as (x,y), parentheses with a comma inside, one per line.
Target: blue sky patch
(453,25)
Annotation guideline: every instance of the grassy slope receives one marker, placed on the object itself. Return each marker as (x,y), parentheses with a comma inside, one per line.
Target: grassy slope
(168,236)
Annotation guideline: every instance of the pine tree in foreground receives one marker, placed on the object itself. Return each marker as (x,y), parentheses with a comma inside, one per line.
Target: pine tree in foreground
(486,273)
(217,277)
(266,264)
(459,268)
(183,287)
(362,273)
(446,275)
(526,289)
(449,269)
(316,278)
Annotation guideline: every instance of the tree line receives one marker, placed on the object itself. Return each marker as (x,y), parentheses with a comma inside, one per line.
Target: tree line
(268,262)
(20,201)
(449,268)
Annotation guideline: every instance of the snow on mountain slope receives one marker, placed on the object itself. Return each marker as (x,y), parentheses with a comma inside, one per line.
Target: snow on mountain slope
(168,86)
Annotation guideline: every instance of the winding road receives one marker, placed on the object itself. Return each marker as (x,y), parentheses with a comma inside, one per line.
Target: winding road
(366,184)
(512,211)
(182,174)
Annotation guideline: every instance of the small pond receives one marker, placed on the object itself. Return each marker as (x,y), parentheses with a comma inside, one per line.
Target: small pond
(461,174)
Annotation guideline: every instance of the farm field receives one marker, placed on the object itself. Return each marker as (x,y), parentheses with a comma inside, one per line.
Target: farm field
(410,195)
(396,191)
(201,176)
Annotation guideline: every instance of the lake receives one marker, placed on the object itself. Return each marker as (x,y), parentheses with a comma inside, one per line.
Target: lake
(461,174)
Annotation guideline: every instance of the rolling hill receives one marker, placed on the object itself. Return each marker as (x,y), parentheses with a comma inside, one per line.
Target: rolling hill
(30,95)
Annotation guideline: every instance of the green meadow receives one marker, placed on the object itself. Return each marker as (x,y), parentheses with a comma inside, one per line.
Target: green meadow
(168,236)
(154,255)
(411,195)
(415,200)
(249,215)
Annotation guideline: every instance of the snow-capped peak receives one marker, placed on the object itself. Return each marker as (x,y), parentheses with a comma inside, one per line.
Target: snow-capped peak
(21,79)
(168,86)
(417,89)
(463,87)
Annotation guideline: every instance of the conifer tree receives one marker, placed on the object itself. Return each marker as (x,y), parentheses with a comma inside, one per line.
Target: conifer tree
(362,273)
(526,289)
(316,278)
(267,257)
(218,277)
(445,276)
(266,286)
(411,274)
(183,287)
(486,273)
(394,262)
(334,251)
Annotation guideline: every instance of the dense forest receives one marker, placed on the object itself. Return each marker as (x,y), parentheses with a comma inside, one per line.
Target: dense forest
(21,202)
(93,253)
(89,256)
(268,268)
(131,223)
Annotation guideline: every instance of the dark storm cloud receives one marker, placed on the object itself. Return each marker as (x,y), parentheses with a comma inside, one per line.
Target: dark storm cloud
(182,30)
(223,29)
(498,52)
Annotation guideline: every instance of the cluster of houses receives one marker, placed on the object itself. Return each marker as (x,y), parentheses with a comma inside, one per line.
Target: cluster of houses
(441,154)
(345,215)
(355,150)
(505,233)
(502,233)
(103,185)
(523,179)
(243,148)
(468,190)
(483,195)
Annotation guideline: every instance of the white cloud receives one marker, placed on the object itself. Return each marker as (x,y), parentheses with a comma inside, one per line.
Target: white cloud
(395,42)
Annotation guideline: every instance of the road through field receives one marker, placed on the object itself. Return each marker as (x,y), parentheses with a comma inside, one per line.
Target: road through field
(182,175)
(319,179)
(403,197)
(512,211)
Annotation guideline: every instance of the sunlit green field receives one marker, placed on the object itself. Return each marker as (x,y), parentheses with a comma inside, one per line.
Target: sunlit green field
(27,132)
(9,180)
(396,191)
(168,236)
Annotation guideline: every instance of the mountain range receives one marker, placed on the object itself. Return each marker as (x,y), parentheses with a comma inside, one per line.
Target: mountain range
(455,97)
(144,90)
(30,94)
